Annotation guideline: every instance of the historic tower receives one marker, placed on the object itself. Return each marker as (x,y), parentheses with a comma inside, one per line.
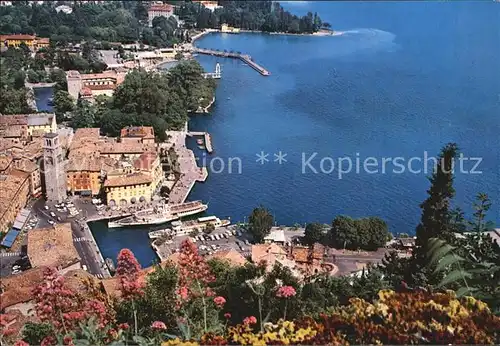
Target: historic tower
(54,174)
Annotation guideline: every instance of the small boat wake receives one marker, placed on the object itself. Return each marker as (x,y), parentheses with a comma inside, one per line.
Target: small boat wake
(371,38)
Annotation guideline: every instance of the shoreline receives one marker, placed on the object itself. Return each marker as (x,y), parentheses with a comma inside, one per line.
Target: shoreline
(247,31)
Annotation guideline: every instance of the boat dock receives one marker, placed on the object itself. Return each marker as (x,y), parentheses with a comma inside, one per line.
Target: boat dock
(190,172)
(206,136)
(247,59)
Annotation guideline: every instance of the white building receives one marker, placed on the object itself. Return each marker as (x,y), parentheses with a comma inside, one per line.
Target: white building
(211,5)
(64,8)
(159,10)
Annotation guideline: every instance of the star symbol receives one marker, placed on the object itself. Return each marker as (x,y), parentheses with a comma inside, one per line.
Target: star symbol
(262,158)
(280,157)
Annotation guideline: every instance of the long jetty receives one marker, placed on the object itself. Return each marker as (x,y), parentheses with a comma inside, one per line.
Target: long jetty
(243,57)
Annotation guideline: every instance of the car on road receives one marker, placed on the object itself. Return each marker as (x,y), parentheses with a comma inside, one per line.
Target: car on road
(52,214)
(51,222)
(84,267)
(46,207)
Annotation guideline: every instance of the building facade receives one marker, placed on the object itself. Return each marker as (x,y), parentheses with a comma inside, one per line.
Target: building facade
(54,170)
(159,10)
(128,188)
(25,125)
(98,83)
(14,187)
(34,43)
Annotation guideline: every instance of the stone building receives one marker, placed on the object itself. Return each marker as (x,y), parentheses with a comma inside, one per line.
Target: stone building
(54,170)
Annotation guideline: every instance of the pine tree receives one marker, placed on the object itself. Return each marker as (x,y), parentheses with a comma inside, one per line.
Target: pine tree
(436,214)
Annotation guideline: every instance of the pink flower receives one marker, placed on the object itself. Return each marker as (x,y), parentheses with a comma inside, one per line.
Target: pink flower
(183,292)
(227,315)
(21,343)
(68,340)
(123,326)
(219,301)
(250,320)
(158,325)
(286,292)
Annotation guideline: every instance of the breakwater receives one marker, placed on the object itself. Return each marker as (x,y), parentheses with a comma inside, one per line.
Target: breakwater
(247,59)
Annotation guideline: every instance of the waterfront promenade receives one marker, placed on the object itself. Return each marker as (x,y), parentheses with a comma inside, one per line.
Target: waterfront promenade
(190,172)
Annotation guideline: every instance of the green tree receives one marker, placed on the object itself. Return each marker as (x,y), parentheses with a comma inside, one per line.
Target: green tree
(63,102)
(84,115)
(260,223)
(361,234)
(314,233)
(436,219)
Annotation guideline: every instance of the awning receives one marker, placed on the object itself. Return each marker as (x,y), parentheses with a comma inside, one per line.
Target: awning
(10,238)
(18,225)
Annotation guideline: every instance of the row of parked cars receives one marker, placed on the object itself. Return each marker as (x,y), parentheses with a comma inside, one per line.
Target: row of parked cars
(21,265)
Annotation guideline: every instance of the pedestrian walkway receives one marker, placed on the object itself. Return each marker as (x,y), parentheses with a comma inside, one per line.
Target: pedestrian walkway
(10,254)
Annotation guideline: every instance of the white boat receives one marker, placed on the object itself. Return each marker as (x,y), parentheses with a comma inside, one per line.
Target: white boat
(159,233)
(160,214)
(184,227)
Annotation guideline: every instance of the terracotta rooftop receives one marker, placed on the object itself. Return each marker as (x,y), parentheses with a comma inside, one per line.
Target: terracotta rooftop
(267,252)
(52,247)
(128,180)
(19,288)
(16,37)
(79,163)
(5,161)
(33,119)
(145,161)
(26,165)
(161,8)
(125,148)
(75,280)
(300,254)
(86,91)
(9,187)
(12,131)
(138,131)
(232,256)
(112,285)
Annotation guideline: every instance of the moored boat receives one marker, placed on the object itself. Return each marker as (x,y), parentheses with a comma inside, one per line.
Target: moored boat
(160,215)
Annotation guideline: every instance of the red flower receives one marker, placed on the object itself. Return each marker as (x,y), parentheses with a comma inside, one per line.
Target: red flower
(128,270)
(219,301)
(158,325)
(68,340)
(183,292)
(250,320)
(123,326)
(286,292)
(227,315)
(21,343)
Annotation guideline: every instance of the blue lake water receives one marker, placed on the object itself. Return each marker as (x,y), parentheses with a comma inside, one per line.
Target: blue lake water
(405,78)
(42,98)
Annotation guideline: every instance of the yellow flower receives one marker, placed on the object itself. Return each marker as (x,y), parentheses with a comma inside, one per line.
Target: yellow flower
(383,295)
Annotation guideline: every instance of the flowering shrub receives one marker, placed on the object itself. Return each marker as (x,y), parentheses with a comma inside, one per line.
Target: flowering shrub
(396,318)
(158,325)
(219,301)
(128,269)
(285,292)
